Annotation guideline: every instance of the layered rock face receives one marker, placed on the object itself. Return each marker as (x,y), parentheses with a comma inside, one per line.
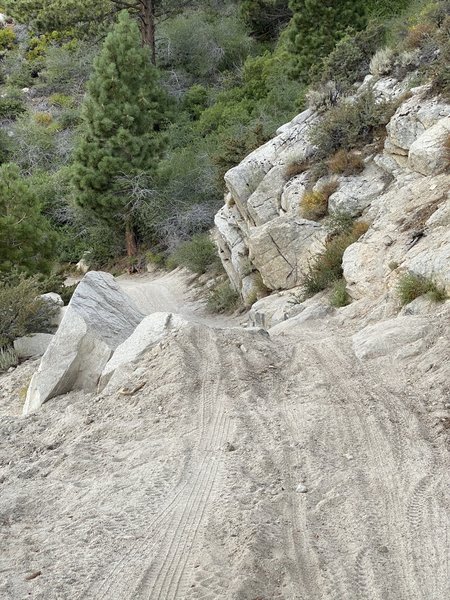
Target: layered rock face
(402,193)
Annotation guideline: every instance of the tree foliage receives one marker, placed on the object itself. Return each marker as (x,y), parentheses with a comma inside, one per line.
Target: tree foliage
(22,311)
(316,27)
(265,17)
(83,17)
(27,242)
(122,119)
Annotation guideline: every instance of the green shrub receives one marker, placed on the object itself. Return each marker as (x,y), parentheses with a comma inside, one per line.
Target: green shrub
(317,26)
(62,100)
(27,239)
(350,60)
(16,71)
(339,295)
(11,105)
(265,18)
(195,101)
(43,118)
(234,146)
(411,286)
(69,118)
(326,268)
(155,258)
(440,69)
(21,310)
(7,38)
(351,124)
(340,222)
(382,62)
(8,358)
(5,146)
(198,255)
(223,298)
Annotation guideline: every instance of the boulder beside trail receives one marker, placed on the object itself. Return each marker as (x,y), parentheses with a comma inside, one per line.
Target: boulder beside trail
(99,318)
(32,345)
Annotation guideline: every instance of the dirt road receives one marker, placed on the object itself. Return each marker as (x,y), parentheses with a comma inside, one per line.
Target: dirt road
(248,467)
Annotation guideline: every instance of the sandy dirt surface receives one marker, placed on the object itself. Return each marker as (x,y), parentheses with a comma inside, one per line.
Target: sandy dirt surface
(172,292)
(247,467)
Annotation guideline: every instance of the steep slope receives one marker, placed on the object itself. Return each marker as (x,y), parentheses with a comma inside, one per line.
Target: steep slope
(233,464)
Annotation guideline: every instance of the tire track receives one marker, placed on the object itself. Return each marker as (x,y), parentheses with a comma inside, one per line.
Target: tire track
(179,518)
(358,411)
(164,576)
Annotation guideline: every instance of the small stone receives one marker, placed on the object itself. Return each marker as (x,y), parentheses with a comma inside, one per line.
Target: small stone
(33,575)
(229,447)
(301,489)
(243,348)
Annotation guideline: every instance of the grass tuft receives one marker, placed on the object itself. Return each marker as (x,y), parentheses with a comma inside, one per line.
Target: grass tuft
(339,295)
(223,298)
(412,286)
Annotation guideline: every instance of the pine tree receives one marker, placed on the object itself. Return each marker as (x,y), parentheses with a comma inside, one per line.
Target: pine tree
(121,137)
(265,17)
(316,27)
(93,16)
(27,242)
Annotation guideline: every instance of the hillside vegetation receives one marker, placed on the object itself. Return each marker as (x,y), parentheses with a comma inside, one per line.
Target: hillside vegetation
(116,128)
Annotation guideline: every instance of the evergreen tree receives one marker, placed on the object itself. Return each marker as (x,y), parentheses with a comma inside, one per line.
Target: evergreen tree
(265,17)
(122,119)
(316,27)
(92,16)
(27,242)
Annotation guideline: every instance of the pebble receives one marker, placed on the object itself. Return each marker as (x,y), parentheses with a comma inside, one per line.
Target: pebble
(33,575)
(301,489)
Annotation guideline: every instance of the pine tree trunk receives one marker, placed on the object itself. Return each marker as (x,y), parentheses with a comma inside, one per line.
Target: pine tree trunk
(147,17)
(130,240)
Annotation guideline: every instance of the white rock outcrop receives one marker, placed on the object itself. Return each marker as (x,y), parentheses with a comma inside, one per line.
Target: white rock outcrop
(100,316)
(409,232)
(401,194)
(412,119)
(282,249)
(429,155)
(291,145)
(357,192)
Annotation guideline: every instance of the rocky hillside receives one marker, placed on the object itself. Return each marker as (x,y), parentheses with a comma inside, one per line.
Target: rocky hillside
(396,188)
